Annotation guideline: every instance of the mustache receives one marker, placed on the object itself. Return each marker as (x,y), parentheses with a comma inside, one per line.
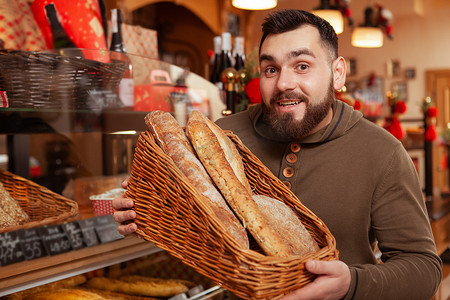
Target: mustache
(289,96)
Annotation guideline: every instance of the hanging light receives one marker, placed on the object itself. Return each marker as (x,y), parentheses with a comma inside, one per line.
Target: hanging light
(368,35)
(254,4)
(331,14)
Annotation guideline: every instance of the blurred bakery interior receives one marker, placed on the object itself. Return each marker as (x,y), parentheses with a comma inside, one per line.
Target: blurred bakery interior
(75,88)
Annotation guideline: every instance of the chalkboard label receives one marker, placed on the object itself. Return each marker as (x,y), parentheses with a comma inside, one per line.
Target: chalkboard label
(10,248)
(31,243)
(106,229)
(88,230)
(55,239)
(74,234)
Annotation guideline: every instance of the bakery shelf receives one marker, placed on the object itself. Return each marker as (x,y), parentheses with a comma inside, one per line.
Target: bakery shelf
(28,274)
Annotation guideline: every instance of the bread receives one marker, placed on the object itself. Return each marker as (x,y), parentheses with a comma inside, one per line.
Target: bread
(140,285)
(66,283)
(291,230)
(66,294)
(12,214)
(172,139)
(208,148)
(229,149)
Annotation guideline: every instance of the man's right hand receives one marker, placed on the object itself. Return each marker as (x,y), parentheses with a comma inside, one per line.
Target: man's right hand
(123,212)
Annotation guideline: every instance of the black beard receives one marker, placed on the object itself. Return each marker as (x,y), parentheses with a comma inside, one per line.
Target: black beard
(286,127)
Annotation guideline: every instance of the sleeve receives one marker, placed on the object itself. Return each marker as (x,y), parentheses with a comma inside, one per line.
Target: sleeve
(410,267)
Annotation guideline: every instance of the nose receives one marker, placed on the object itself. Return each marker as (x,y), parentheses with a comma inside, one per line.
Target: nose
(286,80)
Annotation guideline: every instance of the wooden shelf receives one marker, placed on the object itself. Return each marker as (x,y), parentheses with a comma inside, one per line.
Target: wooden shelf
(28,274)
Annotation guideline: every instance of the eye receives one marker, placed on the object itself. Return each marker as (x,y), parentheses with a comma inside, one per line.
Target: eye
(270,70)
(302,67)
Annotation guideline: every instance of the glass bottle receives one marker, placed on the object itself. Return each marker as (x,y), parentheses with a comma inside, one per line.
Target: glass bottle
(118,53)
(61,41)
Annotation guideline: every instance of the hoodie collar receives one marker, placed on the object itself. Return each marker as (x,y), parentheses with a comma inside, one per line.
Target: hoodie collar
(344,118)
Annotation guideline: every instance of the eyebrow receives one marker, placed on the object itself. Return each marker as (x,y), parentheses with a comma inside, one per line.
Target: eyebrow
(292,54)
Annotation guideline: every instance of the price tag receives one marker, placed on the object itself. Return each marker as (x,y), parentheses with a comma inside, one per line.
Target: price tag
(10,248)
(106,229)
(88,230)
(55,239)
(74,234)
(32,245)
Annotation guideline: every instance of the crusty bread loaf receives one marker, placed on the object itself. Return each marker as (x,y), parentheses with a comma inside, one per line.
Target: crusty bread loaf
(139,285)
(172,139)
(66,283)
(291,230)
(66,294)
(213,158)
(12,213)
(229,149)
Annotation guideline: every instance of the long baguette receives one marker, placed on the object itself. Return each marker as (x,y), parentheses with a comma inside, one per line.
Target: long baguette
(172,139)
(213,158)
(229,149)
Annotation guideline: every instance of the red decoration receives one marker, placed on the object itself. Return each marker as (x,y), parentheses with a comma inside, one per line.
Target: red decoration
(400,107)
(432,112)
(430,133)
(253,91)
(395,128)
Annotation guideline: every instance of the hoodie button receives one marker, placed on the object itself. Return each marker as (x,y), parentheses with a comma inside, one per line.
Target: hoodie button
(288,172)
(295,147)
(287,184)
(291,158)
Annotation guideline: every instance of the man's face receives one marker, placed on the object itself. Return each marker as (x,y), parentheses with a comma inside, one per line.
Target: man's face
(296,82)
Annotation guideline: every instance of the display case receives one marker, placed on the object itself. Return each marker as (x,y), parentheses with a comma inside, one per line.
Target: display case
(84,148)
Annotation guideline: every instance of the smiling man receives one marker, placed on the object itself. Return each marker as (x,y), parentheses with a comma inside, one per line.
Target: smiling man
(351,173)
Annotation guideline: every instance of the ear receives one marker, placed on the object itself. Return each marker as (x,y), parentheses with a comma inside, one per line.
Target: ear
(339,68)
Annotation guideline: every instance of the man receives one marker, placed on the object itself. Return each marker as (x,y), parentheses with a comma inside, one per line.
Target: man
(351,173)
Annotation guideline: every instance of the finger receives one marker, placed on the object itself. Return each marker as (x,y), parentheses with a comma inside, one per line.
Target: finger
(121,202)
(321,267)
(125,183)
(127,229)
(122,216)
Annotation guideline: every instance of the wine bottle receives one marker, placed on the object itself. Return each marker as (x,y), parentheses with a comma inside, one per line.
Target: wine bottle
(225,57)
(61,41)
(239,56)
(118,53)
(215,72)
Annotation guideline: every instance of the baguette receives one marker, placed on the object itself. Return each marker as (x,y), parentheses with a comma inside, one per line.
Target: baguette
(172,139)
(140,285)
(66,294)
(229,149)
(213,158)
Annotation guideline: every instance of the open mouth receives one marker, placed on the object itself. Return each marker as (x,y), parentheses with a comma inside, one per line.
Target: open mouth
(288,103)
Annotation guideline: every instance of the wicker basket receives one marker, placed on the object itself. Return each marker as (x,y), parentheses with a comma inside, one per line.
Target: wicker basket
(171,215)
(54,81)
(42,205)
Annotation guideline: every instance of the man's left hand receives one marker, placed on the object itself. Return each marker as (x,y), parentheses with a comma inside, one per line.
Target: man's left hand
(332,283)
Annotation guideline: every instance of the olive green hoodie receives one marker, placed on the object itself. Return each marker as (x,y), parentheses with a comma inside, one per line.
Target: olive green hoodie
(358,179)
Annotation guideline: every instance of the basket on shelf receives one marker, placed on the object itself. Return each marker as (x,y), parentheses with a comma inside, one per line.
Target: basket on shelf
(171,215)
(51,80)
(43,206)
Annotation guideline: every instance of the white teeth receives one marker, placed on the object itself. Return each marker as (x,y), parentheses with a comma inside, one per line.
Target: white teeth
(288,103)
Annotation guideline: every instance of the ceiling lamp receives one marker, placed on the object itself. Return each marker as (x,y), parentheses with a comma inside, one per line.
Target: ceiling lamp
(332,14)
(367,35)
(254,4)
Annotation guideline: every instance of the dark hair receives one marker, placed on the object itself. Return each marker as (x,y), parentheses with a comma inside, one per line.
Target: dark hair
(291,19)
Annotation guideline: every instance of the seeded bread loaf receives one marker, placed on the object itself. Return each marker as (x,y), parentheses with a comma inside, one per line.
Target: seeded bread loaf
(11,214)
(289,227)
